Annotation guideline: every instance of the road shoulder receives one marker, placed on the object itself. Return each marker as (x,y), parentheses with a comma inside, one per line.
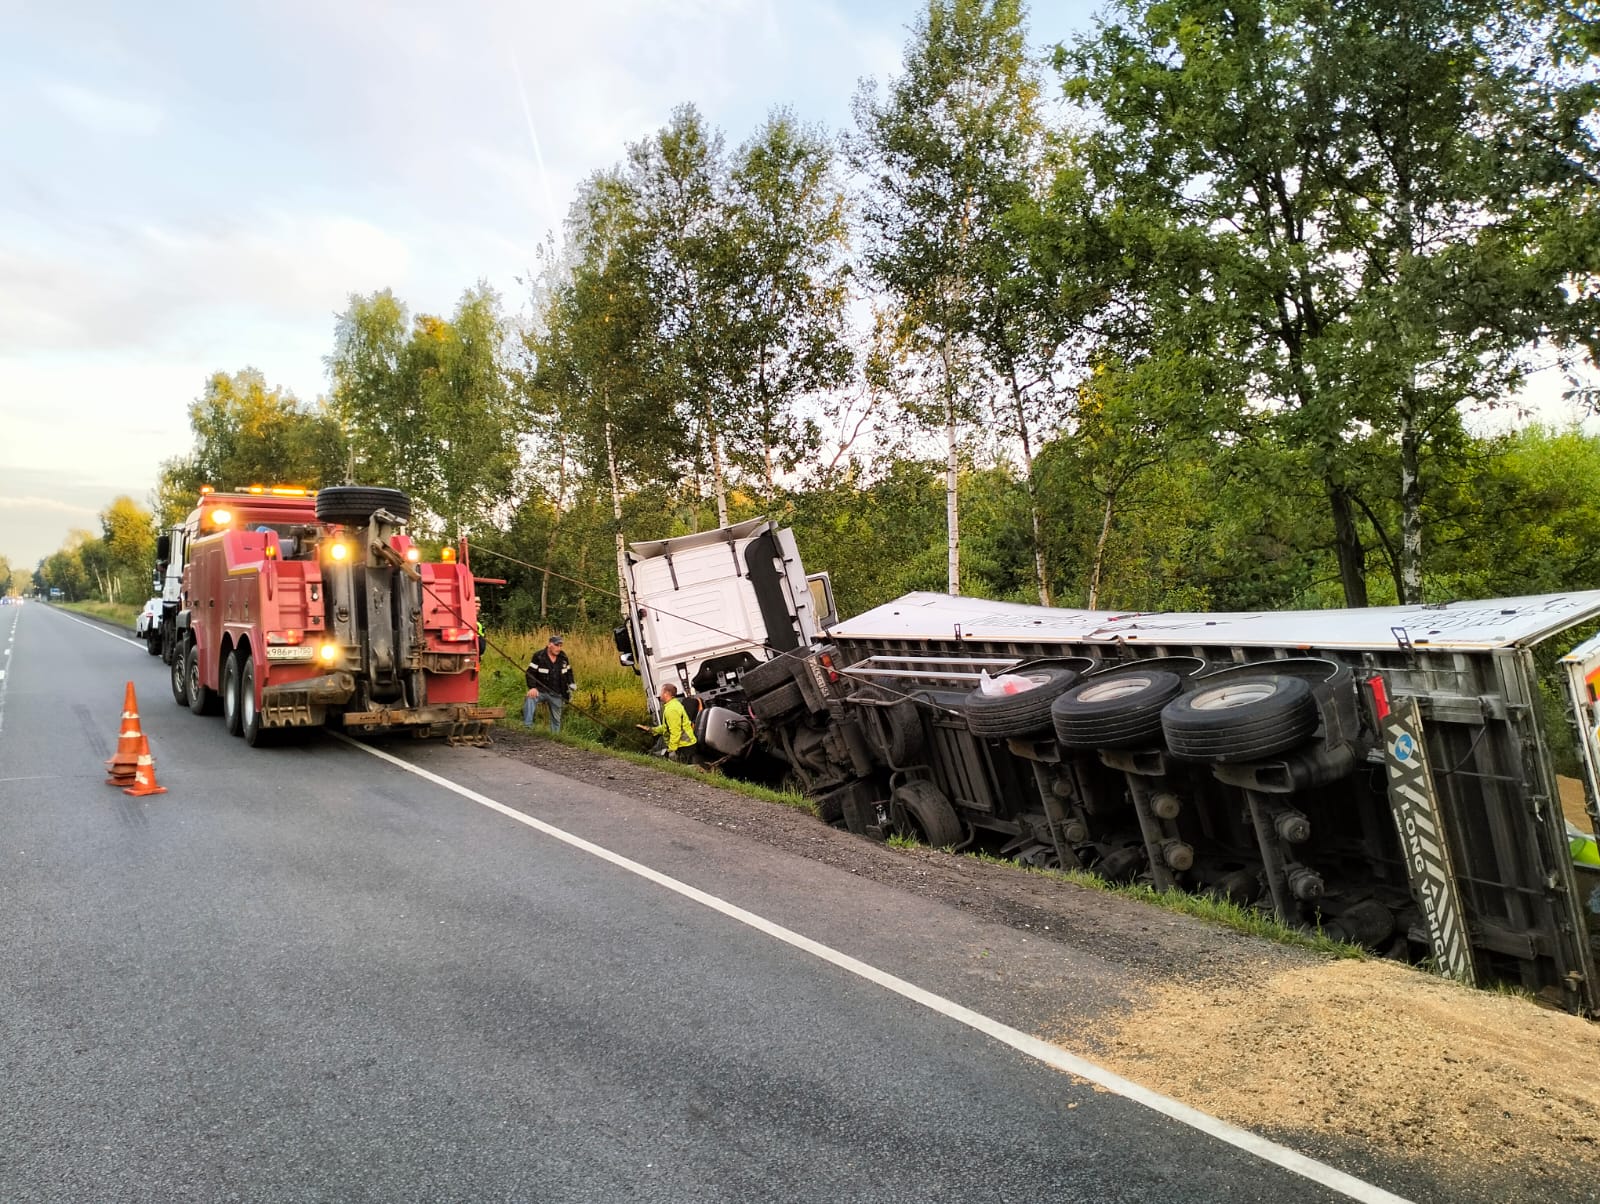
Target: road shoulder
(1369,1064)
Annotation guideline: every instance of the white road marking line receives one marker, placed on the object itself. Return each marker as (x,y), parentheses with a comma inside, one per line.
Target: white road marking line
(1051,1055)
(5,684)
(101,630)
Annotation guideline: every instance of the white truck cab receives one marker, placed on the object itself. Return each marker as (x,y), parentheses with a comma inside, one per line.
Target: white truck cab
(703,609)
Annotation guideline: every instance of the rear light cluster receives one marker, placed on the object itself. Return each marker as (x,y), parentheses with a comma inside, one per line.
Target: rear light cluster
(827,664)
(291,635)
(457,635)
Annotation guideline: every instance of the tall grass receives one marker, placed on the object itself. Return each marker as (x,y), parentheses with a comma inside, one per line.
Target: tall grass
(125,613)
(604,708)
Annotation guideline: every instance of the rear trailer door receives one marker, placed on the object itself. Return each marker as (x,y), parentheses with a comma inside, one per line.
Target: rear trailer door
(1582,667)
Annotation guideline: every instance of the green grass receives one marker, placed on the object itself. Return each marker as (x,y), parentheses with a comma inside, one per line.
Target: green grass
(786,798)
(1202,907)
(125,613)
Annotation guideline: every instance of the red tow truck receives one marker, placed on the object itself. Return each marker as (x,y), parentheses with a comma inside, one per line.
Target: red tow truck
(297,610)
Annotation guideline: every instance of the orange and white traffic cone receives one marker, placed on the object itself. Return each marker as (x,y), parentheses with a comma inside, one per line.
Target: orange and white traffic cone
(145,775)
(125,762)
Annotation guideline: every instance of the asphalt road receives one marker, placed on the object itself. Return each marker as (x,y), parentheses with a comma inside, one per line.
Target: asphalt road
(306,974)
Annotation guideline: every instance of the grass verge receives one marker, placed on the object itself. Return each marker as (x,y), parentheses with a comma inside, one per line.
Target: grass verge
(125,613)
(1201,907)
(785,798)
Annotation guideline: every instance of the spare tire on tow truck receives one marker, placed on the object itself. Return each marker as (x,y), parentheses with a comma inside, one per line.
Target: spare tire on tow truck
(354,505)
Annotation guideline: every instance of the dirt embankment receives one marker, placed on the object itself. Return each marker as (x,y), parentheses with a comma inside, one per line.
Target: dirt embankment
(1469,1084)
(1368,1057)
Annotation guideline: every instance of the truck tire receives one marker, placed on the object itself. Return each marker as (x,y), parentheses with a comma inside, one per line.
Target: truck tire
(230,695)
(775,704)
(180,679)
(1244,719)
(202,698)
(152,641)
(860,814)
(769,675)
(830,806)
(1121,710)
(352,505)
(920,809)
(901,727)
(998,716)
(894,731)
(255,735)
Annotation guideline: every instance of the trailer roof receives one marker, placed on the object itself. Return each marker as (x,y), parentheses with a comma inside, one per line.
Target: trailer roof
(1491,623)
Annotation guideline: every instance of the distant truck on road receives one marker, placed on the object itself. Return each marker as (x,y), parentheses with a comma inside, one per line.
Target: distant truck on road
(284,610)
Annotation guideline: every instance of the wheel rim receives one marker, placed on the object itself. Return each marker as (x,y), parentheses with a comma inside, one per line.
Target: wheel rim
(1225,698)
(193,662)
(1110,691)
(230,692)
(247,695)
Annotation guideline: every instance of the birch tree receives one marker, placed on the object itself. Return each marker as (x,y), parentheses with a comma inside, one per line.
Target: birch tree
(947,153)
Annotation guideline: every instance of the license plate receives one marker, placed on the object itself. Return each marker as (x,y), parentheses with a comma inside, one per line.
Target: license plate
(290,652)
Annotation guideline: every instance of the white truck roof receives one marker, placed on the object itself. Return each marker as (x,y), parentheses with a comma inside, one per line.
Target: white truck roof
(1491,623)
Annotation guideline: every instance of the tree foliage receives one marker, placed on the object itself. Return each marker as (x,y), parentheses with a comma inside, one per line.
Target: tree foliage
(427,405)
(249,433)
(1360,205)
(117,566)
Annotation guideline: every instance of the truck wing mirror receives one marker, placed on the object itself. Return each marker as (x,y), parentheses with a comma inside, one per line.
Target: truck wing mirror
(623,638)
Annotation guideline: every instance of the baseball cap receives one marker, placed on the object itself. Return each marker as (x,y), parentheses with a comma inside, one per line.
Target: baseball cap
(555,639)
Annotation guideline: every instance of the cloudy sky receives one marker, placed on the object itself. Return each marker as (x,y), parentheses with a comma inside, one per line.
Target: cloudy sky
(193,186)
(189,186)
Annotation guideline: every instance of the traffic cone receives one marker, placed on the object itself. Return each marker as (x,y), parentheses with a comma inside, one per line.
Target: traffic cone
(145,775)
(125,762)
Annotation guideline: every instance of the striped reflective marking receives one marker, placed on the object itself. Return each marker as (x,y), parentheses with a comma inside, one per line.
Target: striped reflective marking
(1415,805)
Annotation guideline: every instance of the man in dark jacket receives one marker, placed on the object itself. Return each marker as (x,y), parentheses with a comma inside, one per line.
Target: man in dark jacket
(549,678)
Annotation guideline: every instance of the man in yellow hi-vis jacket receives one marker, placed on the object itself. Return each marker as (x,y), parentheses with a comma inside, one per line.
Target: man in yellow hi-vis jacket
(675,725)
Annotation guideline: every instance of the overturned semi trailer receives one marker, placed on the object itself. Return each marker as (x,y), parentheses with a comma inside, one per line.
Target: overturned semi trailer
(1384,775)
